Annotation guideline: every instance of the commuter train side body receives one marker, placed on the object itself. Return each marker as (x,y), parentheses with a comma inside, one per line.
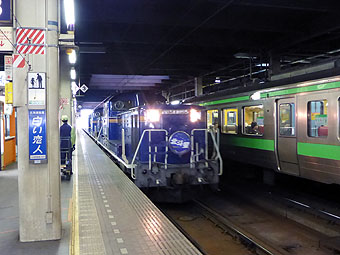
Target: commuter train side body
(297,128)
(160,145)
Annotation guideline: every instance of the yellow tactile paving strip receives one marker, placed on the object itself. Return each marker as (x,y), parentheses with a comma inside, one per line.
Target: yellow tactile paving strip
(87,234)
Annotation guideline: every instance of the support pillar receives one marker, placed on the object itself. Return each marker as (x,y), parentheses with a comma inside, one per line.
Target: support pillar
(65,87)
(198,86)
(39,183)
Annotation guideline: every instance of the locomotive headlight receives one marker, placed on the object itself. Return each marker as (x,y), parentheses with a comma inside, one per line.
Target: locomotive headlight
(195,115)
(153,115)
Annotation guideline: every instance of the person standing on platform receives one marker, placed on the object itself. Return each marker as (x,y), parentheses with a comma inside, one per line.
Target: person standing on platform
(67,140)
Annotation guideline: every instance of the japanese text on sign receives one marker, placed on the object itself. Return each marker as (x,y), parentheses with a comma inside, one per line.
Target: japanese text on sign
(37,135)
(179,142)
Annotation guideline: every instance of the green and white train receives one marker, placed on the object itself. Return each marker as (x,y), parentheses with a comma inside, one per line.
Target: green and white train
(292,129)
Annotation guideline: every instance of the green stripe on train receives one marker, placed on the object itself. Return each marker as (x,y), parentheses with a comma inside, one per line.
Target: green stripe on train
(228,100)
(254,143)
(319,150)
(330,85)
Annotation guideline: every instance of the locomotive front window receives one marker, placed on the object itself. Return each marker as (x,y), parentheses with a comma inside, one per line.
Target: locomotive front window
(253,120)
(212,118)
(230,121)
(287,119)
(318,118)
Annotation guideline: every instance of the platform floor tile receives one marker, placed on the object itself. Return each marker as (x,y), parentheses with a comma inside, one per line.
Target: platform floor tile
(118,214)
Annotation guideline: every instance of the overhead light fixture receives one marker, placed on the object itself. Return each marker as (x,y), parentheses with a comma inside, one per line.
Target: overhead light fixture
(263,64)
(244,55)
(175,102)
(72,57)
(69,14)
(74,88)
(73,74)
(217,80)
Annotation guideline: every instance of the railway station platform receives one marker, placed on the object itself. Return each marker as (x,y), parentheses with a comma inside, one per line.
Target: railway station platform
(9,219)
(103,213)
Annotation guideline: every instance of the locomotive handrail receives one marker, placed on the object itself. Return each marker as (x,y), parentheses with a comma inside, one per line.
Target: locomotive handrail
(206,147)
(100,130)
(132,166)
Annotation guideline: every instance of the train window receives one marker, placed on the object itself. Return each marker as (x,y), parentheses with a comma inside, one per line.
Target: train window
(287,119)
(317,118)
(230,121)
(253,119)
(212,118)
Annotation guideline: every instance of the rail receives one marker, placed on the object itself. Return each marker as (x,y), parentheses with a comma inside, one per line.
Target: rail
(259,246)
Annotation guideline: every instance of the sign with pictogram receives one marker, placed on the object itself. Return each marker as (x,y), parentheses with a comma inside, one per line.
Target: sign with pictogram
(8,61)
(36,88)
(37,136)
(6,39)
(84,88)
(30,41)
(18,61)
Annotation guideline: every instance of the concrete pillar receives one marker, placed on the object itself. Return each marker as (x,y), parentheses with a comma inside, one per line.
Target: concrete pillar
(39,184)
(198,86)
(65,86)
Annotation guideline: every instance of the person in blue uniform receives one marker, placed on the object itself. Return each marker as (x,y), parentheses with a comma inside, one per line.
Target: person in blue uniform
(67,140)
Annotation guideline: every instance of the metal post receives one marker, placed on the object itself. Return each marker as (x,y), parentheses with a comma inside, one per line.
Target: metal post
(123,146)
(198,86)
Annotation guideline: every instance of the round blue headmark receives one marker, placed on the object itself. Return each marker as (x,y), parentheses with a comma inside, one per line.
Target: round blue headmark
(179,142)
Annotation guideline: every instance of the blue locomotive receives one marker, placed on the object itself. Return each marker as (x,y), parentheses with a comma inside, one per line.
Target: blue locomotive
(160,145)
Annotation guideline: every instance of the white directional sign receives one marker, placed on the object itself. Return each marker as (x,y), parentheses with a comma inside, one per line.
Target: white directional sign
(84,88)
(6,39)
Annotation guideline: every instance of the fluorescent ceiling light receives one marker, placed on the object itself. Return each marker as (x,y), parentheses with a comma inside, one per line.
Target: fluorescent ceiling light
(74,88)
(72,57)
(73,74)
(176,102)
(69,13)
(244,55)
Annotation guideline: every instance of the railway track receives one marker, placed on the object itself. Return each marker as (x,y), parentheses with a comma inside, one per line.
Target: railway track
(253,229)
(253,243)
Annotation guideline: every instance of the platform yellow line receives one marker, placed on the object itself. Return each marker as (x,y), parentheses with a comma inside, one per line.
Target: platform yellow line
(74,244)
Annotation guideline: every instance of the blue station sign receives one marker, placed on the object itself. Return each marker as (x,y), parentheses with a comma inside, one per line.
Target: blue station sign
(37,135)
(179,142)
(5,11)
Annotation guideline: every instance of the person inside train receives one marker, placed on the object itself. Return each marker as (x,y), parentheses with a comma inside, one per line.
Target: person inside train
(254,128)
(67,140)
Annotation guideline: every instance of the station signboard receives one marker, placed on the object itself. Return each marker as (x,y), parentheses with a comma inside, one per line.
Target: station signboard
(37,136)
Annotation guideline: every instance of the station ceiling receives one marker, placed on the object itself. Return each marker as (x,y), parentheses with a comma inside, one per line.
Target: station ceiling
(173,41)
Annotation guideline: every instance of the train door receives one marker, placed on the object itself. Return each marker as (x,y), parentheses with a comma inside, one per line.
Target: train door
(286,136)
